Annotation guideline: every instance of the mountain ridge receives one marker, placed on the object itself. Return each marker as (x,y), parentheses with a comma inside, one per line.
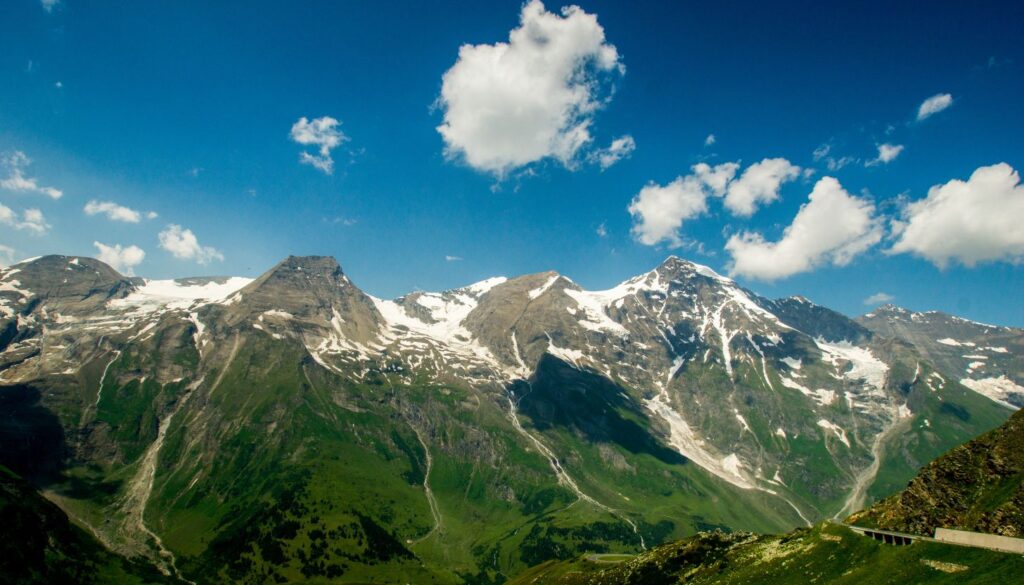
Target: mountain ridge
(557,417)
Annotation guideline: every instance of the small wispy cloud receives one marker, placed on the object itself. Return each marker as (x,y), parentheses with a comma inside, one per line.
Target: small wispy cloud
(879,298)
(340,220)
(602,231)
(115,212)
(886,154)
(450,258)
(832,163)
(934,105)
(619,149)
(710,140)
(16,163)
(322,132)
(31,220)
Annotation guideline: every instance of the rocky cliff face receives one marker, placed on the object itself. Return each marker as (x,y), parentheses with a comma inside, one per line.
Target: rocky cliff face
(227,428)
(978,486)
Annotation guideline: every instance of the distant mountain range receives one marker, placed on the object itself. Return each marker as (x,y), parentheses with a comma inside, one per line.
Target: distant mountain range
(292,427)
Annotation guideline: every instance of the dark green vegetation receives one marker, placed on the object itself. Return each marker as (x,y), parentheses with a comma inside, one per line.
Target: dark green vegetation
(42,546)
(826,553)
(978,486)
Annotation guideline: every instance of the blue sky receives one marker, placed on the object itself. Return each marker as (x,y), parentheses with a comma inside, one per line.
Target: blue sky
(188,111)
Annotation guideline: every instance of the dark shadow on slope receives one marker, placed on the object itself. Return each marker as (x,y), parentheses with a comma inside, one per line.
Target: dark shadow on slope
(561,395)
(38,544)
(32,441)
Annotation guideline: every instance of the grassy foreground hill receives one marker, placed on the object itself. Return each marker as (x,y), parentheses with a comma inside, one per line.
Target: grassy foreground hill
(826,553)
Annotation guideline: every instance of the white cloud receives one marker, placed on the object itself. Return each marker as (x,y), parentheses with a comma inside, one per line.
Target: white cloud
(49,5)
(6,255)
(710,140)
(602,231)
(31,220)
(659,211)
(886,154)
(716,178)
(152,215)
(934,105)
(121,259)
(510,104)
(115,212)
(619,149)
(450,258)
(16,180)
(184,245)
(759,184)
(833,227)
(978,220)
(322,132)
(879,298)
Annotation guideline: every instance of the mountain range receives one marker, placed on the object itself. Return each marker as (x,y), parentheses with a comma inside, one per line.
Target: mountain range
(292,427)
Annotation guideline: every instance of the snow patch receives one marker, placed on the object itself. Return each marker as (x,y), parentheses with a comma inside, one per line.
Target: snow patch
(595,317)
(997,389)
(793,363)
(544,287)
(863,364)
(155,295)
(838,430)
